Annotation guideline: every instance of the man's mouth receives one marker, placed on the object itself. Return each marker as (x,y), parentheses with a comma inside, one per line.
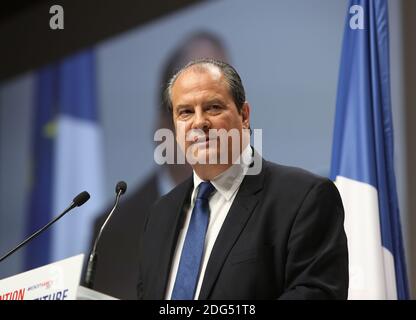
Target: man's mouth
(201,141)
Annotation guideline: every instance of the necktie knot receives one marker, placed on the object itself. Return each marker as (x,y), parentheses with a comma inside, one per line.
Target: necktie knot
(205,190)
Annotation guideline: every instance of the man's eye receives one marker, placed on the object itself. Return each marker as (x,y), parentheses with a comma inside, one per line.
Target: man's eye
(215,107)
(184,112)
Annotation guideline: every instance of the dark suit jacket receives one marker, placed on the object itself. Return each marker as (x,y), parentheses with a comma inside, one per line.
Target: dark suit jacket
(118,249)
(282,238)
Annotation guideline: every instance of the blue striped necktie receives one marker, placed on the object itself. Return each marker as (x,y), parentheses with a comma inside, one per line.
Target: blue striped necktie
(193,248)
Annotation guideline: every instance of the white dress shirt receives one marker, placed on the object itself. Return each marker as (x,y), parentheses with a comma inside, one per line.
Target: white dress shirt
(226,185)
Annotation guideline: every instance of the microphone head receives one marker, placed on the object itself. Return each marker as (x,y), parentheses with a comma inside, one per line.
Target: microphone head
(121,187)
(80,199)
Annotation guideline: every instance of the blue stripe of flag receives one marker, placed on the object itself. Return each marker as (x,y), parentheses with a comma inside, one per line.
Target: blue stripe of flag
(39,211)
(76,86)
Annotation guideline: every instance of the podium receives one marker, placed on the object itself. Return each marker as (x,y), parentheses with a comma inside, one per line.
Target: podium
(56,281)
(84,293)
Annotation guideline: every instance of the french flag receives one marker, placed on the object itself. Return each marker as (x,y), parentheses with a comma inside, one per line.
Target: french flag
(362,156)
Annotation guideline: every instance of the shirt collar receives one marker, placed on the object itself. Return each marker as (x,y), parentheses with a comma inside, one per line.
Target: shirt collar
(227,182)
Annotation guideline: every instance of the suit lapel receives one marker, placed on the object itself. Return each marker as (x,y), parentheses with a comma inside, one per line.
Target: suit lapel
(243,206)
(173,213)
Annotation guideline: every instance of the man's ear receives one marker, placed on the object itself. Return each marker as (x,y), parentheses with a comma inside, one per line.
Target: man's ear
(245,113)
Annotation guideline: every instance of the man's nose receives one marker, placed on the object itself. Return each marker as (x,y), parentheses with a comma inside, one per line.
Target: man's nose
(201,120)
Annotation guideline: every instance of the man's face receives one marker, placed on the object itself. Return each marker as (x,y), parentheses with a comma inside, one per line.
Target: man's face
(202,101)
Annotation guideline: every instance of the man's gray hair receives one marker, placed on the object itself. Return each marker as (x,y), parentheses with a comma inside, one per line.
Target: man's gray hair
(230,74)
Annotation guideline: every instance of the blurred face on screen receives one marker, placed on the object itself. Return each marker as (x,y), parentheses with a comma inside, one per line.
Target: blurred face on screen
(204,48)
(207,122)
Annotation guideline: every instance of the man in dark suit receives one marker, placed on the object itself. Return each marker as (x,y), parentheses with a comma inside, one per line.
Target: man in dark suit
(117,266)
(229,232)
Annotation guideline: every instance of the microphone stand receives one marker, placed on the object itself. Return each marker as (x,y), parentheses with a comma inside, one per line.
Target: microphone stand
(92,261)
(78,201)
(37,232)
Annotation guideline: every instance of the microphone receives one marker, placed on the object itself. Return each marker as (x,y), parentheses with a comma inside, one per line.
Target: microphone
(121,188)
(78,201)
